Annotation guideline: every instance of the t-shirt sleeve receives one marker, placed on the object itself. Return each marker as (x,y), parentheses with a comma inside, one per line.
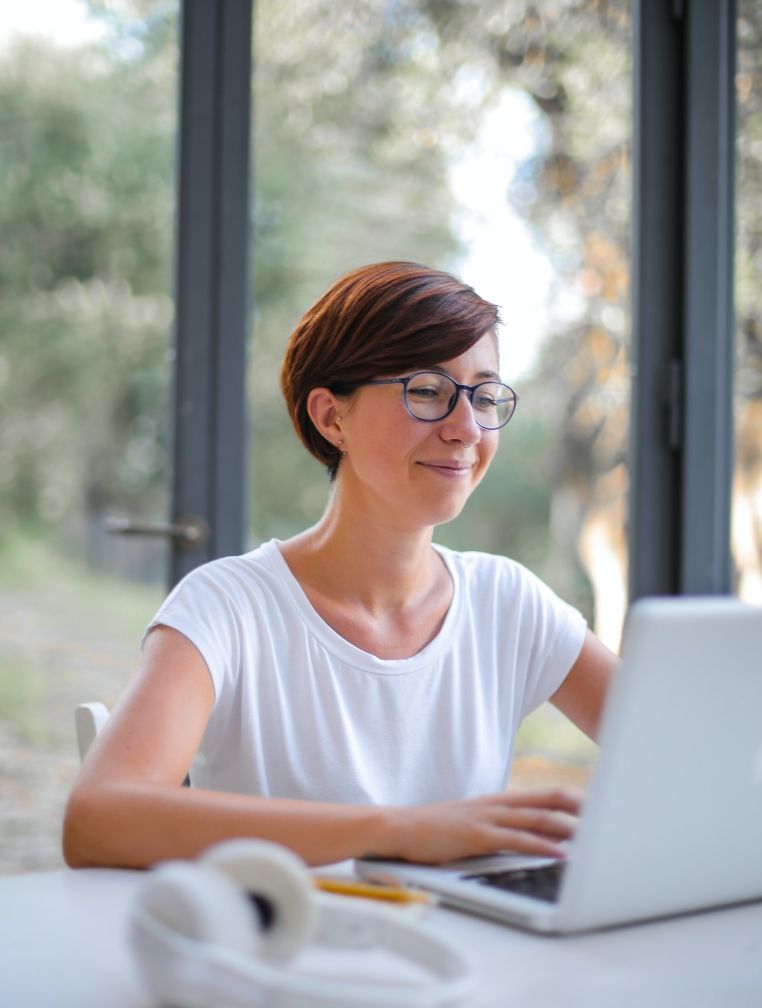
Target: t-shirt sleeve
(556,632)
(200,608)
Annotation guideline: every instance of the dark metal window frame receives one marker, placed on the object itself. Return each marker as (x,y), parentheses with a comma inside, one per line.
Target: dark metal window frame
(681,455)
(682,348)
(212,280)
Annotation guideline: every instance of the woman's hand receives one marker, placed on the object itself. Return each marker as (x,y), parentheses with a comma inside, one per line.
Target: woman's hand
(525,822)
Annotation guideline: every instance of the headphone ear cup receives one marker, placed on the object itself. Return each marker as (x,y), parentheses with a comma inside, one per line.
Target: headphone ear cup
(279,879)
(201,905)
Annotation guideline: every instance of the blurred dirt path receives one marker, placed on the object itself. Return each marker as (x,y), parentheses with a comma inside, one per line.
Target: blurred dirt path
(53,656)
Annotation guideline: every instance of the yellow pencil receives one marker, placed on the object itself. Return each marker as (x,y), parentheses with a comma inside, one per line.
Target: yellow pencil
(371,890)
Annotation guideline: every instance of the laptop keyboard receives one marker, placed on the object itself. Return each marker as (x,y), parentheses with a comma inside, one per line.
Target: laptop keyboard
(543,882)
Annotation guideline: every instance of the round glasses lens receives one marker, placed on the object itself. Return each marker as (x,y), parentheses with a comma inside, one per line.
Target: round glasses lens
(493,404)
(428,395)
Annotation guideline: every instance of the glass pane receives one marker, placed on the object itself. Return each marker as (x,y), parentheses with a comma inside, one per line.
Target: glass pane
(491,139)
(87,123)
(746,531)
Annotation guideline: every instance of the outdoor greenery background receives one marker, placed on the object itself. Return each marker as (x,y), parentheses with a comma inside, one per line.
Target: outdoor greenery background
(360,110)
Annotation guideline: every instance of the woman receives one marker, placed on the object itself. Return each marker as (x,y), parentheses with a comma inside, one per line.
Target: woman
(355,689)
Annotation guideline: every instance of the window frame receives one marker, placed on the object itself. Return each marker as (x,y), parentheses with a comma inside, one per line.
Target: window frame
(212,281)
(681,432)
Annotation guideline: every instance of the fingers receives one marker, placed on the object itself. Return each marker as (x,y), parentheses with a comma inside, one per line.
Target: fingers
(536,822)
(533,822)
(559,799)
(516,842)
(545,824)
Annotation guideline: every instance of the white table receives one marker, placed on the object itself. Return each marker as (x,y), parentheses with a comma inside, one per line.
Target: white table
(63,945)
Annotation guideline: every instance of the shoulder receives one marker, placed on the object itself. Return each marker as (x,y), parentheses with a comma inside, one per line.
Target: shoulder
(477,569)
(225,602)
(232,572)
(491,582)
(231,584)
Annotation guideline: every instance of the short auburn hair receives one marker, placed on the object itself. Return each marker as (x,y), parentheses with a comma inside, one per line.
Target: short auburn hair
(377,321)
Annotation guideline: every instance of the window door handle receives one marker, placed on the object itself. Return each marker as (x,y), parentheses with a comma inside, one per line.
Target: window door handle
(189,532)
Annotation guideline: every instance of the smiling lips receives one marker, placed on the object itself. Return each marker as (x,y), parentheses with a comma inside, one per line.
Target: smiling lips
(450,469)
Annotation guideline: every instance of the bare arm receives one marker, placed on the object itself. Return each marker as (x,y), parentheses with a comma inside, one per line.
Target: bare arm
(582,694)
(128,807)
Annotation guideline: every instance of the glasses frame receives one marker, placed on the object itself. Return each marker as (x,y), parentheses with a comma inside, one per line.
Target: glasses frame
(468,389)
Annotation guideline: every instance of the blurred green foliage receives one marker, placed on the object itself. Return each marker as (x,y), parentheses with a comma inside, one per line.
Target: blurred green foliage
(86,156)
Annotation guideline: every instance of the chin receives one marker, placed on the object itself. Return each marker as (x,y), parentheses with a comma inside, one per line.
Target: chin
(441,515)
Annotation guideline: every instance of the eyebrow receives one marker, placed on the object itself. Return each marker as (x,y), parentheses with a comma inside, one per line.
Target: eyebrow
(480,375)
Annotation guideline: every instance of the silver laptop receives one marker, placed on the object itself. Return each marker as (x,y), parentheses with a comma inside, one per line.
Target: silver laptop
(672,820)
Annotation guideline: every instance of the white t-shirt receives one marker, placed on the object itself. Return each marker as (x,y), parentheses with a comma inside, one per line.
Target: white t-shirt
(300,712)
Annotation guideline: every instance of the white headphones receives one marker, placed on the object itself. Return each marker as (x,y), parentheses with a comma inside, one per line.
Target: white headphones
(218,933)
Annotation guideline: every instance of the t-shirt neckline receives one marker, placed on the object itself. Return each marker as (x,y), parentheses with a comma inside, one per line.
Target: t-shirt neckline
(346,650)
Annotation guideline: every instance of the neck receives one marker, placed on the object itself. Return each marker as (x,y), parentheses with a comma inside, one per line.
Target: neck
(360,555)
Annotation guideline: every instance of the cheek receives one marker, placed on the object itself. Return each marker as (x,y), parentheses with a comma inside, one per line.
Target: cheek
(391,433)
(383,444)
(489,451)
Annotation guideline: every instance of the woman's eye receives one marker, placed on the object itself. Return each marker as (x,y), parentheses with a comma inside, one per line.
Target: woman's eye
(484,402)
(425,392)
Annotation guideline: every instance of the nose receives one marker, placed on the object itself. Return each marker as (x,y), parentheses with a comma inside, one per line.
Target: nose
(460,425)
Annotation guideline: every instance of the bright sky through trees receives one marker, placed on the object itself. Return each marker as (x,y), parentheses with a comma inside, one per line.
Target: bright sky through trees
(66,21)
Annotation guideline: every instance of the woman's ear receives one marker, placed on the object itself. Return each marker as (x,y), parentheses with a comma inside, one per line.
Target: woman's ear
(324,411)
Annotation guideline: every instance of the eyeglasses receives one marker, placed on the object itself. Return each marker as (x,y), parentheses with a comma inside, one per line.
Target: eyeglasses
(432,396)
